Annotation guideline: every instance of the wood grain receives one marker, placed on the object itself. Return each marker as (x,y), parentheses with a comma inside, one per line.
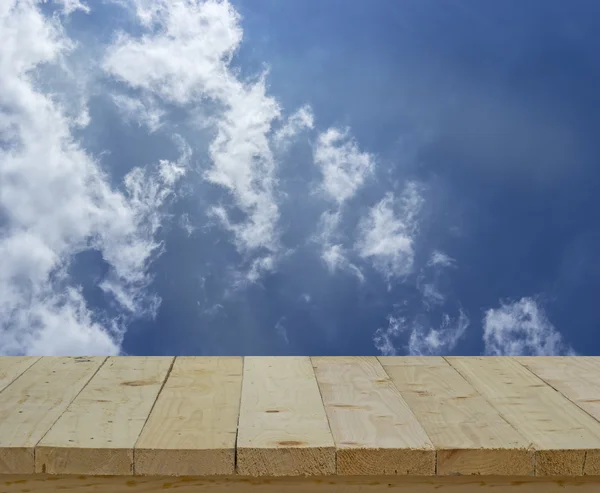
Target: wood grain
(376,417)
(33,402)
(43,483)
(561,433)
(97,432)
(374,430)
(193,426)
(469,435)
(578,379)
(283,428)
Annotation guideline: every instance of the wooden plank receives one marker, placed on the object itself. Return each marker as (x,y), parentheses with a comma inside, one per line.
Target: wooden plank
(469,435)
(33,402)
(97,432)
(12,367)
(561,433)
(283,429)
(578,379)
(43,483)
(192,428)
(388,361)
(374,430)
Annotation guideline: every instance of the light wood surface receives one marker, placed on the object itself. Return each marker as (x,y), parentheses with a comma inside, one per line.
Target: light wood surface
(374,430)
(193,426)
(469,434)
(98,431)
(220,418)
(561,433)
(283,428)
(12,368)
(33,402)
(42,483)
(578,379)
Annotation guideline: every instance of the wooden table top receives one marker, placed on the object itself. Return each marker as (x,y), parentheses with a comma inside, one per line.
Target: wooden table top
(300,416)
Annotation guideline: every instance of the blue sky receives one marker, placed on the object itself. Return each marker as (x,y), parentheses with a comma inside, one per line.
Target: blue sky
(300,177)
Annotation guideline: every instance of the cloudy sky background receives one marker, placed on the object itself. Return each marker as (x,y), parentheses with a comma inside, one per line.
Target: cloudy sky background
(299,177)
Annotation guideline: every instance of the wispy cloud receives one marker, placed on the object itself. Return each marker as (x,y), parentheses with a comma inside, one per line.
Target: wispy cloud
(302,119)
(521,328)
(69,193)
(423,339)
(331,243)
(57,202)
(142,113)
(70,6)
(344,169)
(281,330)
(343,165)
(441,259)
(425,327)
(430,277)
(384,337)
(147,191)
(432,296)
(386,234)
(184,58)
(335,257)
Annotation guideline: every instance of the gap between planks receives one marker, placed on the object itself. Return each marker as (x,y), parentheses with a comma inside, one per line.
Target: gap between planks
(374,430)
(469,435)
(192,427)
(96,434)
(35,448)
(587,463)
(31,405)
(149,414)
(561,433)
(577,378)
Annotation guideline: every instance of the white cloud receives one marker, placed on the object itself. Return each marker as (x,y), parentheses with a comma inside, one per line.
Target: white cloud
(147,190)
(335,259)
(301,120)
(56,202)
(344,169)
(243,163)
(432,296)
(185,54)
(171,172)
(186,224)
(386,235)
(343,166)
(431,341)
(384,338)
(185,59)
(428,281)
(521,328)
(282,330)
(133,110)
(423,340)
(70,6)
(333,252)
(441,259)
(259,267)
(328,227)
